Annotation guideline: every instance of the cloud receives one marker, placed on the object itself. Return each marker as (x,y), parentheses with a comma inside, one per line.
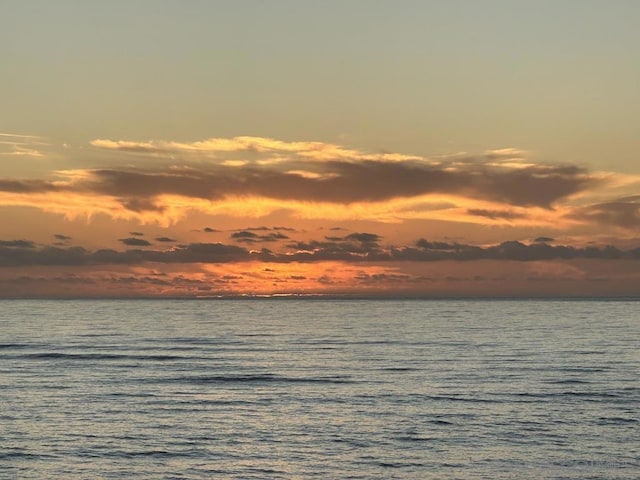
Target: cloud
(257,229)
(496,214)
(135,242)
(427,245)
(508,152)
(24,253)
(247,236)
(18,255)
(341,183)
(137,234)
(266,229)
(30,186)
(112,283)
(384,279)
(203,252)
(286,229)
(624,212)
(260,145)
(59,236)
(510,250)
(29,256)
(17,135)
(320,180)
(352,246)
(165,239)
(344,175)
(15,145)
(17,244)
(364,237)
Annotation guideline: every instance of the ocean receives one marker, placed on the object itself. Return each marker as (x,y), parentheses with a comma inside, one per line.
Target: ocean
(327,389)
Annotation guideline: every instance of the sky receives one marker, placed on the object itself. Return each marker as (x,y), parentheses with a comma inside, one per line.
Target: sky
(369,148)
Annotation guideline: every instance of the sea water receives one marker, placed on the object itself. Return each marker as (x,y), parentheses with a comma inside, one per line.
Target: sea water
(297,389)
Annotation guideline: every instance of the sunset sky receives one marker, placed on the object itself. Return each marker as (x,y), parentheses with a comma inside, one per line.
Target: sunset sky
(378,148)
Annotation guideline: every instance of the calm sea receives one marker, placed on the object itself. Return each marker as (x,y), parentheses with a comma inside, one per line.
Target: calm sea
(297,389)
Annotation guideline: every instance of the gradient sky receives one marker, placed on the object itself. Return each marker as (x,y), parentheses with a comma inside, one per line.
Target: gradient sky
(423,148)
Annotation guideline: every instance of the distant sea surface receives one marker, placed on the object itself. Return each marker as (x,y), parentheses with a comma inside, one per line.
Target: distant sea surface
(327,389)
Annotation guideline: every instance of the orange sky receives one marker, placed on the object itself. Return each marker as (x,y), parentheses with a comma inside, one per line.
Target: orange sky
(259,216)
(413,148)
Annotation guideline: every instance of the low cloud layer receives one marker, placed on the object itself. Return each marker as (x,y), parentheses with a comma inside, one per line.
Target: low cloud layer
(354,248)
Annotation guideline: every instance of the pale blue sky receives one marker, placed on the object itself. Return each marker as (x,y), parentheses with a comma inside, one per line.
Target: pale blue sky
(559,78)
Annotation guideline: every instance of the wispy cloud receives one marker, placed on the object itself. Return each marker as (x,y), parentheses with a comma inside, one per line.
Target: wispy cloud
(17,135)
(17,145)
(261,145)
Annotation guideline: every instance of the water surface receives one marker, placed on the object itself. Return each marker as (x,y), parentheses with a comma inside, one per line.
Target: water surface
(284,389)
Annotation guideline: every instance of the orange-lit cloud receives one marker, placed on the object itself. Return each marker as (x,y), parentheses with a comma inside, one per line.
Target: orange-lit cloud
(622,212)
(311,150)
(281,260)
(374,184)
(315,180)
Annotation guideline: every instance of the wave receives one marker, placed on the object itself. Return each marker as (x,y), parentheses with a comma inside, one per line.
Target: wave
(103,356)
(252,378)
(15,345)
(616,420)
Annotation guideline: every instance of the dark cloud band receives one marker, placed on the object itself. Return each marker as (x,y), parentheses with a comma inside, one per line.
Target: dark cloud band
(339,182)
(349,250)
